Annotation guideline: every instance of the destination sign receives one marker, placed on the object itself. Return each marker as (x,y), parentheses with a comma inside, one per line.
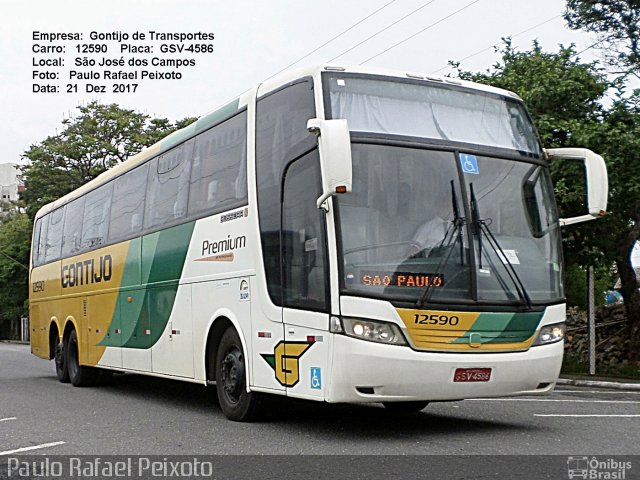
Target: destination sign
(401,279)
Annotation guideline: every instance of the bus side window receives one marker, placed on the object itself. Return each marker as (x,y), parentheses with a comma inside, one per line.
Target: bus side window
(73,227)
(281,137)
(168,186)
(54,235)
(304,248)
(39,241)
(127,208)
(218,176)
(95,225)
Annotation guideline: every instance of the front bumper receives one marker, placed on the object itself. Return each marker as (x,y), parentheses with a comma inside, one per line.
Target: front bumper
(369,372)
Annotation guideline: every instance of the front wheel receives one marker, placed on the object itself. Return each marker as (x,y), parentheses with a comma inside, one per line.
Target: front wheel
(78,375)
(405,407)
(231,380)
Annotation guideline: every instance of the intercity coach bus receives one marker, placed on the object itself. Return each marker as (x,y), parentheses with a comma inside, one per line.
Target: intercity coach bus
(335,234)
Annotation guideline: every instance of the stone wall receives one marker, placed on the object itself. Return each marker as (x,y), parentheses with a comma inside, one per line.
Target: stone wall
(611,335)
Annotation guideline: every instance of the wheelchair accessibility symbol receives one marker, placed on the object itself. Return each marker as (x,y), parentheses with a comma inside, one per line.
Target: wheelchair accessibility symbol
(469,163)
(316,378)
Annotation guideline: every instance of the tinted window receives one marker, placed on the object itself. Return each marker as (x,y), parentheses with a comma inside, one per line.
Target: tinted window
(168,186)
(281,136)
(95,225)
(304,249)
(54,235)
(218,174)
(38,242)
(392,106)
(128,203)
(71,239)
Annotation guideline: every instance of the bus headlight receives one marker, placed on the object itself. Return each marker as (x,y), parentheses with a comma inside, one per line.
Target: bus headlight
(374,331)
(550,334)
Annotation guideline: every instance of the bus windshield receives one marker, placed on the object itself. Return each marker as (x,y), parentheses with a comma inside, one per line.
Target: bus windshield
(408,230)
(430,110)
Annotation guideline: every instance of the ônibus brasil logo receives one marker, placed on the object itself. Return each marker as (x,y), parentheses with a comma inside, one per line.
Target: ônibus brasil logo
(595,468)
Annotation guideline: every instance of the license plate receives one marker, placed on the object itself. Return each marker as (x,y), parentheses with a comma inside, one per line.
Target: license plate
(472,375)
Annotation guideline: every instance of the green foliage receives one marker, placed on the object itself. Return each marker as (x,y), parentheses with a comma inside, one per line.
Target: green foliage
(617,26)
(574,364)
(576,286)
(15,234)
(7,209)
(100,137)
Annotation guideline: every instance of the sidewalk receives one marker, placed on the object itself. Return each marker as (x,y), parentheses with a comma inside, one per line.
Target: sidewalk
(600,382)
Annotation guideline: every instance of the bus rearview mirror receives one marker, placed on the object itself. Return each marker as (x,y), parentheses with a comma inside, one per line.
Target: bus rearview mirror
(335,157)
(596,177)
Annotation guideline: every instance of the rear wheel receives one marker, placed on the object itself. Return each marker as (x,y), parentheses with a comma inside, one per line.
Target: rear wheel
(405,407)
(60,359)
(231,380)
(79,376)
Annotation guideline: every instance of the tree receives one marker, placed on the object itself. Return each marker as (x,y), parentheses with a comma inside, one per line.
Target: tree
(100,137)
(617,26)
(7,208)
(565,98)
(15,234)
(617,138)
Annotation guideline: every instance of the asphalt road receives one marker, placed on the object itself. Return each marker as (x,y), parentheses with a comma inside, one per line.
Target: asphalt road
(136,415)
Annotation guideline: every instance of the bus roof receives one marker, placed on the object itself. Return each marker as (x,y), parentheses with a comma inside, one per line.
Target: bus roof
(208,120)
(313,71)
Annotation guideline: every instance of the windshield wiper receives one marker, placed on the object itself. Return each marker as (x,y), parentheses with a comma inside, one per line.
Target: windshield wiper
(457,224)
(480,227)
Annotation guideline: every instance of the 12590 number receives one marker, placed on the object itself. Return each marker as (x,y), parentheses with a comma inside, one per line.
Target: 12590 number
(436,319)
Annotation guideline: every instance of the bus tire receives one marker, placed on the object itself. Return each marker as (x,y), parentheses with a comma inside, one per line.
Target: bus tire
(80,376)
(405,407)
(60,360)
(231,380)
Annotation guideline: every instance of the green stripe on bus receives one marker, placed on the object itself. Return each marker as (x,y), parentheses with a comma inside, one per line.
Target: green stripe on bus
(520,328)
(130,278)
(503,327)
(144,319)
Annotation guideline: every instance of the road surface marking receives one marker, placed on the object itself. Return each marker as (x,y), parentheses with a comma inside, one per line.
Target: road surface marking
(616,392)
(549,400)
(583,415)
(7,419)
(34,447)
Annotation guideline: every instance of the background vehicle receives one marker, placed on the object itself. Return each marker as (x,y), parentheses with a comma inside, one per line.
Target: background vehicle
(340,235)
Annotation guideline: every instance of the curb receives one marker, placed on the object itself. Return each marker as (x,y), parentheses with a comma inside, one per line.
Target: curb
(599,384)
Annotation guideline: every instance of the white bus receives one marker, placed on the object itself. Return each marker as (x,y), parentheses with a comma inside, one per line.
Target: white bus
(335,234)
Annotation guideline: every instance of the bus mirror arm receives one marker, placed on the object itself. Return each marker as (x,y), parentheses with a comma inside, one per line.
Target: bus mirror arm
(334,143)
(597,181)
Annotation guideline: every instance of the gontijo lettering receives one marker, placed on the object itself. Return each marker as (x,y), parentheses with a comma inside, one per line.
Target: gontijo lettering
(87,272)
